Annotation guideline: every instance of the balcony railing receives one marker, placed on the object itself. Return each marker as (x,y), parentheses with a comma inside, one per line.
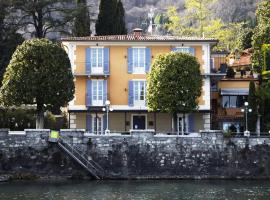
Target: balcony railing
(80,70)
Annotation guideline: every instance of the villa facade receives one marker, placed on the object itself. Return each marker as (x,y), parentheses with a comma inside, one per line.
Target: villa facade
(115,68)
(228,94)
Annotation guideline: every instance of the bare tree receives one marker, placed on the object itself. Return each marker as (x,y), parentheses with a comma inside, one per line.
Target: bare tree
(40,17)
(236,10)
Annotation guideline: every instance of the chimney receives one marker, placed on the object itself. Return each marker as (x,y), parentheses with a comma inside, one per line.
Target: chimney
(137,32)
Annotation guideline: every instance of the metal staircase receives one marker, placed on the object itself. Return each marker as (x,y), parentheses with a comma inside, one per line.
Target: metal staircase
(92,167)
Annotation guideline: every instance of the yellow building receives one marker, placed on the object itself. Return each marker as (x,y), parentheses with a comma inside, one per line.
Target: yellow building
(114,68)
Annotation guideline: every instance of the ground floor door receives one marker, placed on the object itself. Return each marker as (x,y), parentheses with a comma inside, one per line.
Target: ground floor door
(97,125)
(139,122)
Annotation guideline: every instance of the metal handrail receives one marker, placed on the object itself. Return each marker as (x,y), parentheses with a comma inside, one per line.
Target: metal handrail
(85,156)
(74,151)
(81,153)
(79,161)
(82,157)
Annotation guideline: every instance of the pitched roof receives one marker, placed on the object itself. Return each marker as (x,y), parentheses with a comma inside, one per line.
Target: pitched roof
(146,38)
(245,59)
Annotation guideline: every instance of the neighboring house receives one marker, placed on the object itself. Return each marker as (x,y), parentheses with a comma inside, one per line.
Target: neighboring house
(230,93)
(114,68)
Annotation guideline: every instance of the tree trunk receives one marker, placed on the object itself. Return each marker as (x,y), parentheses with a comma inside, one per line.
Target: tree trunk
(184,124)
(40,117)
(174,116)
(258,125)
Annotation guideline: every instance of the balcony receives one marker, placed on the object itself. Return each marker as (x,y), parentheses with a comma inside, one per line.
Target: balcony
(81,70)
(229,114)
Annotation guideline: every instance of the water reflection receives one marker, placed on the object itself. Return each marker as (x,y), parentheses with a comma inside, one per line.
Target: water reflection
(137,190)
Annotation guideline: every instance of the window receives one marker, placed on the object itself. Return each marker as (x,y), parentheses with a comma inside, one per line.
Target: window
(139,60)
(97,124)
(185,50)
(97,92)
(97,60)
(235,127)
(233,101)
(182,125)
(139,93)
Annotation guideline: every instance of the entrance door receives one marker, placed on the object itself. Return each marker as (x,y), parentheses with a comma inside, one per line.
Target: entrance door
(139,122)
(97,125)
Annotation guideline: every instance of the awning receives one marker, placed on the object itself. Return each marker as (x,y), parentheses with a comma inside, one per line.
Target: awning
(238,91)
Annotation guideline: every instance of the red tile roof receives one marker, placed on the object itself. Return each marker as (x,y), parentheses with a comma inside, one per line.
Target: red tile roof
(147,38)
(245,59)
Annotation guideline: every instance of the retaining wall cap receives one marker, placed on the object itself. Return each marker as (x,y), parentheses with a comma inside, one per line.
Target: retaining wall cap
(72,130)
(17,133)
(37,130)
(4,129)
(142,131)
(210,131)
(107,136)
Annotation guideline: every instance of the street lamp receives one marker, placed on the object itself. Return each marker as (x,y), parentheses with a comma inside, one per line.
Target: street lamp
(107,109)
(246,110)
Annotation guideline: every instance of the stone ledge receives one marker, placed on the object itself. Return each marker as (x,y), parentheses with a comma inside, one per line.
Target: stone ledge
(37,130)
(4,132)
(72,132)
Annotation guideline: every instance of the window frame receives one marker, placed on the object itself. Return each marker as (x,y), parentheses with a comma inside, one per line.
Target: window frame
(98,93)
(137,84)
(141,59)
(236,105)
(97,69)
(97,130)
(182,121)
(178,48)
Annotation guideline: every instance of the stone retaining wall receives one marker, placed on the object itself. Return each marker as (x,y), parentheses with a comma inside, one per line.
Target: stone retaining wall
(140,155)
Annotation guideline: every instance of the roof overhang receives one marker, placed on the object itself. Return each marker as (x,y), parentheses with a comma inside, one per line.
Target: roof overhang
(239,91)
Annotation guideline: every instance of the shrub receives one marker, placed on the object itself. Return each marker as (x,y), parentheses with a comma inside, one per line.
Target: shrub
(266,56)
(230,72)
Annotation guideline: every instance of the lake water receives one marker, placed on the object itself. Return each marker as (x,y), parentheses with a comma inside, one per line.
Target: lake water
(136,190)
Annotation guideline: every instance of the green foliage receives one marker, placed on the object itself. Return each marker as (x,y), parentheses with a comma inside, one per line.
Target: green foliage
(262,12)
(196,24)
(17,118)
(199,14)
(39,73)
(55,122)
(230,72)
(228,134)
(174,83)
(176,24)
(266,56)
(244,40)
(104,24)
(82,20)
(252,101)
(160,21)
(263,95)
(111,18)
(120,25)
(9,39)
(261,33)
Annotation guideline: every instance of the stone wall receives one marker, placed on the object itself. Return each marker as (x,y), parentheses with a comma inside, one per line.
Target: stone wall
(140,155)
(31,156)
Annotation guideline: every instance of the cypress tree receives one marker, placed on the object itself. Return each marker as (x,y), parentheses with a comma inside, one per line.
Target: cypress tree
(82,21)
(252,102)
(111,18)
(105,22)
(120,25)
